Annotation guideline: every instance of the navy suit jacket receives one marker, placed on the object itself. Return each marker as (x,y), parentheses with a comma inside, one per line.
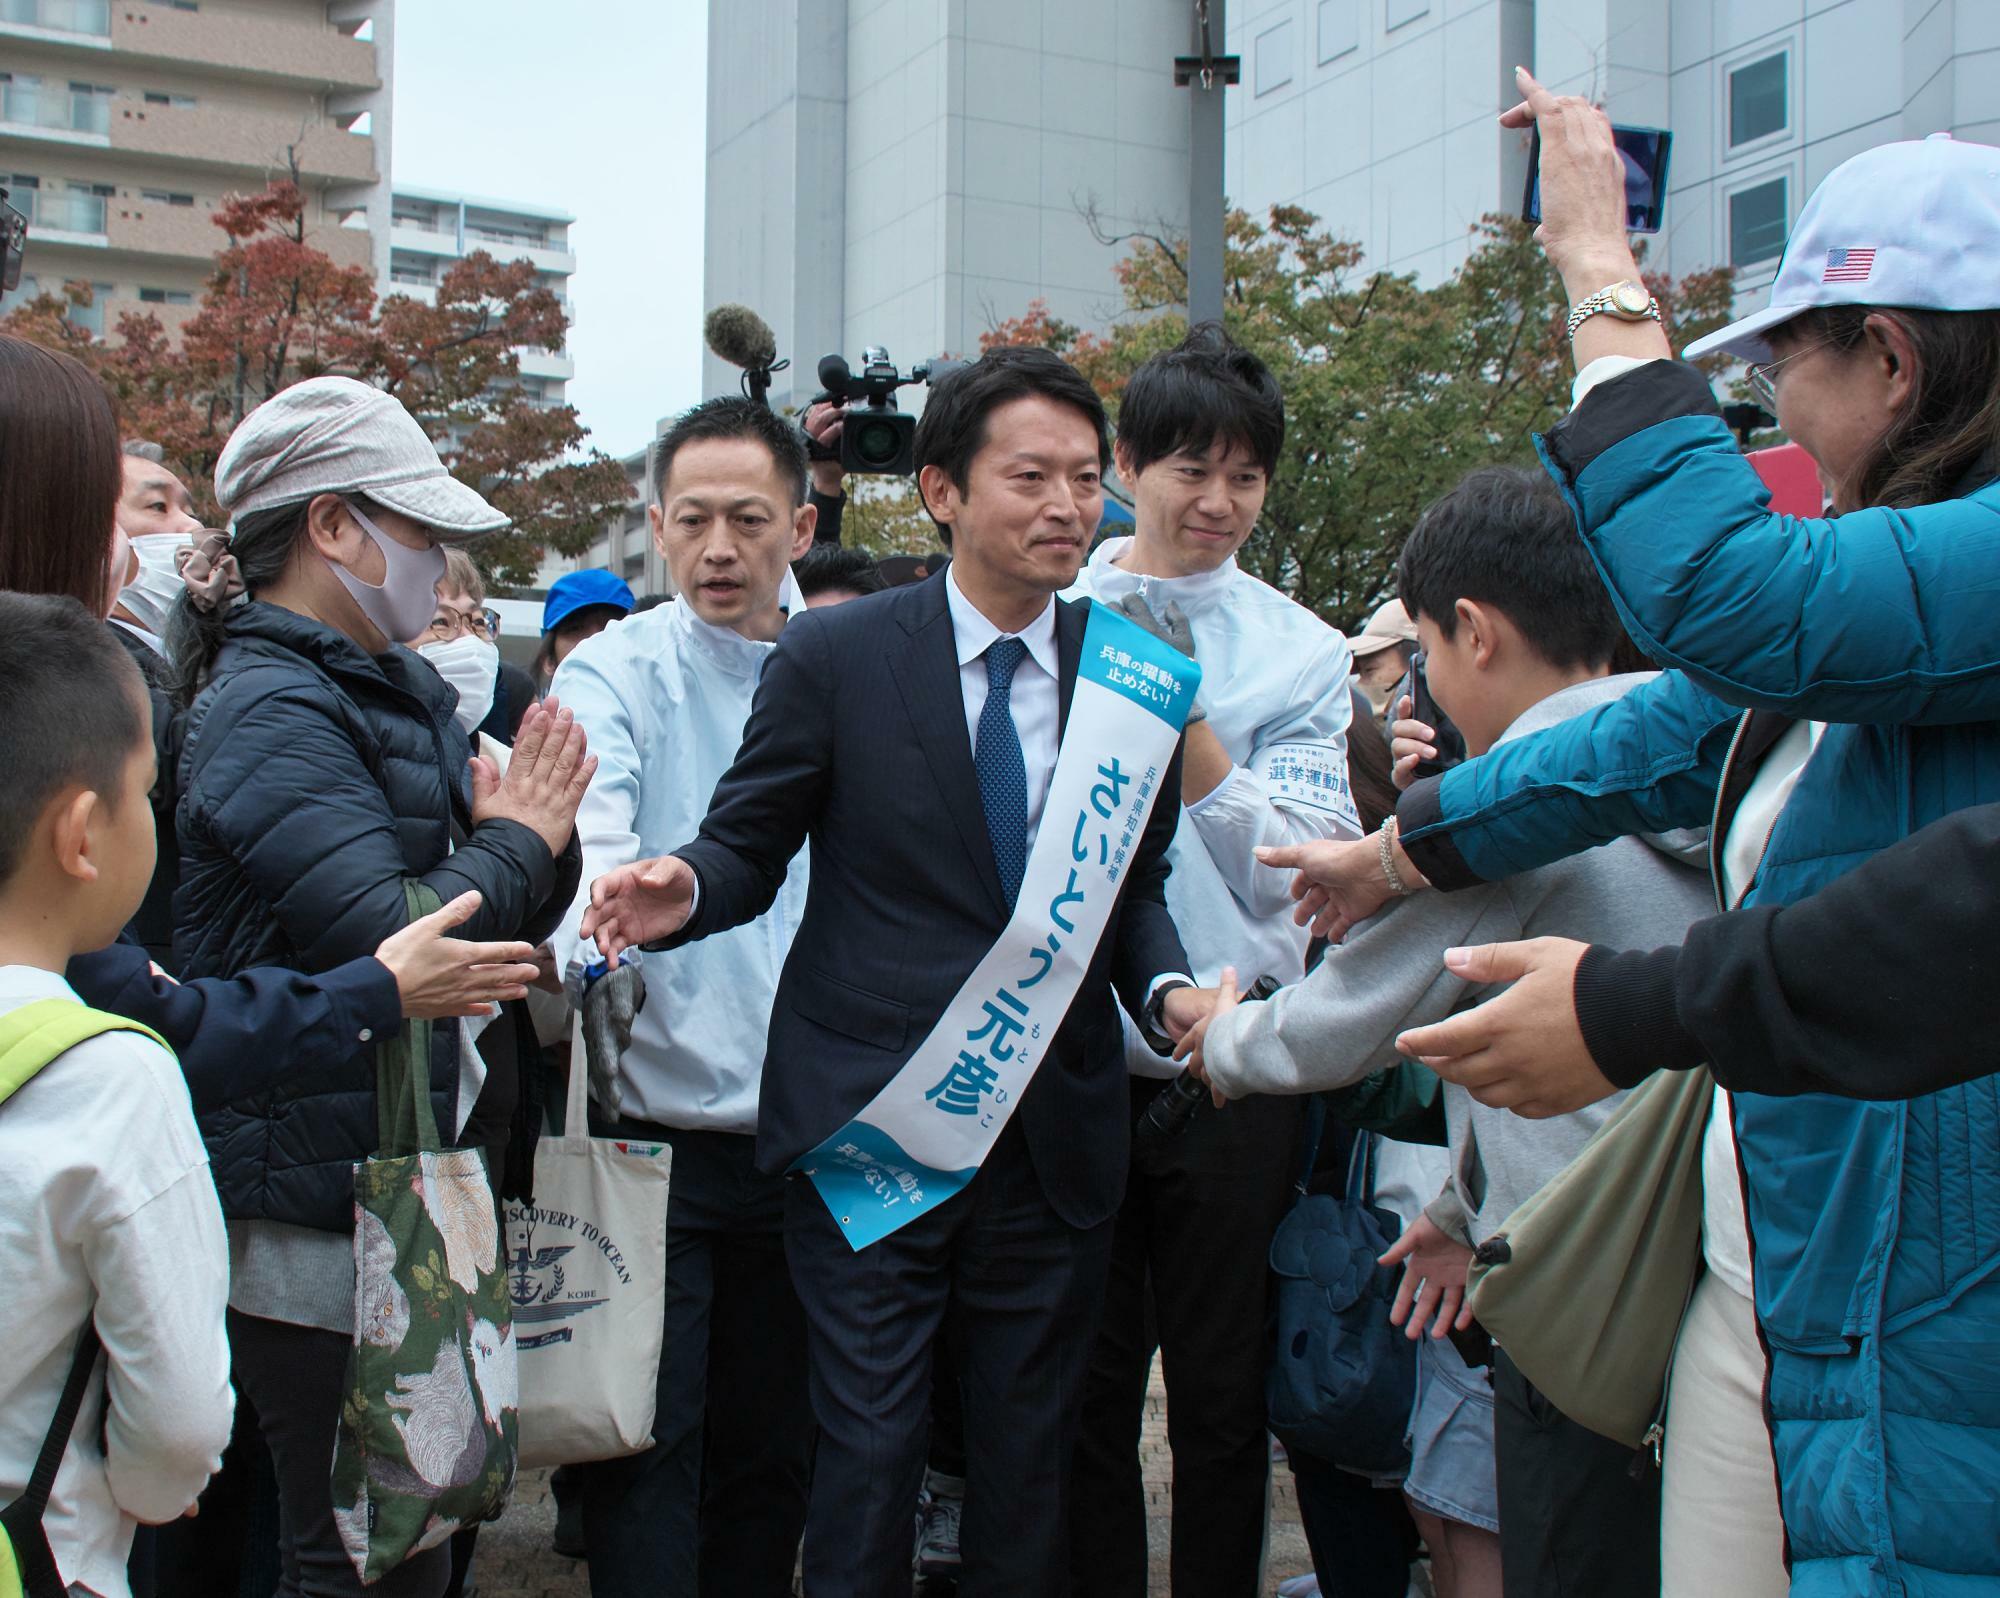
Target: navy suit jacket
(857,741)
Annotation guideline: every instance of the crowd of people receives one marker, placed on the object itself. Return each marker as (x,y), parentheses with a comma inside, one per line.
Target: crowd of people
(1638,806)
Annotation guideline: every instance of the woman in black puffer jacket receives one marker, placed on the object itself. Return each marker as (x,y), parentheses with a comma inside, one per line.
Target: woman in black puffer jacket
(319,771)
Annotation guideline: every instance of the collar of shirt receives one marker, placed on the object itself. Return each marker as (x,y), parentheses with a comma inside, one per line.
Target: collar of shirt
(1110,583)
(152,641)
(973,633)
(24,983)
(729,649)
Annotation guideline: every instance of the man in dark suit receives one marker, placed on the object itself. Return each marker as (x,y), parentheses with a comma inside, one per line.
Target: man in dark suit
(912,736)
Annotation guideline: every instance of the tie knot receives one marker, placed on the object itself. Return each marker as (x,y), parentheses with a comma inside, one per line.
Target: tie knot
(1003,656)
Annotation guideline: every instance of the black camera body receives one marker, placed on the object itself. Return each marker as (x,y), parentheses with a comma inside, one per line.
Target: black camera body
(13,245)
(875,437)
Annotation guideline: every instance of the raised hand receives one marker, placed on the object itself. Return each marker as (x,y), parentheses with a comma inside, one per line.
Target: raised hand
(437,976)
(1433,1285)
(546,777)
(1410,741)
(639,903)
(1522,1050)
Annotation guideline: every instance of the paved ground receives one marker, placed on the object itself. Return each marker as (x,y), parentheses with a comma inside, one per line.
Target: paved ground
(515,1560)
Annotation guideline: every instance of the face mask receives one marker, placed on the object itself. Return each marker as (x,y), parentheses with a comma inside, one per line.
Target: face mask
(148,597)
(404,602)
(472,666)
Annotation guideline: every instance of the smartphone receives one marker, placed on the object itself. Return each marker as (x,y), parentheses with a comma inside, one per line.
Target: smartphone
(1446,739)
(13,245)
(1644,152)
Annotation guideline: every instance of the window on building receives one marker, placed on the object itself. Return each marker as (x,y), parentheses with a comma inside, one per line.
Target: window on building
(90,107)
(91,317)
(1399,12)
(159,97)
(1757,220)
(165,297)
(1757,94)
(61,16)
(1277,51)
(163,197)
(1339,28)
(185,5)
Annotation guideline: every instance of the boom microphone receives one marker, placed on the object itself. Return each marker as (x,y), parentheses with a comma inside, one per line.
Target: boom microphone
(740,336)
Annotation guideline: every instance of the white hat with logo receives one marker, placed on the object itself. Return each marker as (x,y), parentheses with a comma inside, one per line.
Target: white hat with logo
(1916,224)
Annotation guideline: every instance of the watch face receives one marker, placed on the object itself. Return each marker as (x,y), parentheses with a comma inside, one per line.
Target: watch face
(1631,299)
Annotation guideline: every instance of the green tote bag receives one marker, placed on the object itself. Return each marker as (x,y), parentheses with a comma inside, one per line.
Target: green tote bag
(1586,1283)
(427,1438)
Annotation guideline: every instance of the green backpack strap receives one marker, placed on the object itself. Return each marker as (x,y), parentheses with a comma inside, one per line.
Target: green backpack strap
(34,1035)
(31,1037)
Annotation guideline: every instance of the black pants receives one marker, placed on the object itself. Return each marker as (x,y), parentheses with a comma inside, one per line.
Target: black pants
(1574,1518)
(296,1376)
(1021,1287)
(717,1504)
(1361,1536)
(1196,1229)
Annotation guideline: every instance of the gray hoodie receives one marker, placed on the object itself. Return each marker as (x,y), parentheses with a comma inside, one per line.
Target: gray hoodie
(1341,1023)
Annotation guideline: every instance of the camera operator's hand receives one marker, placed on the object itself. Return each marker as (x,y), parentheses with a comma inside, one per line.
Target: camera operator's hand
(1410,741)
(823,424)
(610,1005)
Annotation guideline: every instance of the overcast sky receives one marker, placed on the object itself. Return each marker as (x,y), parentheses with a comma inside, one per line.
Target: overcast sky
(596,107)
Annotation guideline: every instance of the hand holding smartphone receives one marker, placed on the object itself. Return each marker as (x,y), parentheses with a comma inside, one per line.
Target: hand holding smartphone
(1644,152)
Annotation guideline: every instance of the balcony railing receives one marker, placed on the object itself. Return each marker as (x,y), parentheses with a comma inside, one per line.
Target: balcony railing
(60,16)
(38,106)
(65,210)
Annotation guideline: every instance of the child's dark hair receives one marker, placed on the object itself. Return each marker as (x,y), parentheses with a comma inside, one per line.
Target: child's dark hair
(1205,391)
(72,710)
(1505,538)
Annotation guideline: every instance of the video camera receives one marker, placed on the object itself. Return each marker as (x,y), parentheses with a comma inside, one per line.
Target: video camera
(875,437)
(13,244)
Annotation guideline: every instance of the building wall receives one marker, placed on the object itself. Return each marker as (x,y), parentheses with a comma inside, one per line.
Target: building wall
(123,126)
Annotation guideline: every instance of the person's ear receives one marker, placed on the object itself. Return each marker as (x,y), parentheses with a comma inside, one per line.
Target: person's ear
(1477,632)
(941,495)
(332,531)
(1893,352)
(656,518)
(1121,457)
(74,817)
(804,520)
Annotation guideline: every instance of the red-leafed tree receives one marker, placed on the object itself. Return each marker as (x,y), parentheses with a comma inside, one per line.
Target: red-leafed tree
(277,310)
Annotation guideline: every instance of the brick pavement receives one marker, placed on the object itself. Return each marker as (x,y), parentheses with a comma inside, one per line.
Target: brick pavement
(516,1561)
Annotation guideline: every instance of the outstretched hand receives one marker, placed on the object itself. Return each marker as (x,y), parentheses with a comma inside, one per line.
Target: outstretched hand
(1522,1050)
(639,903)
(1340,882)
(1433,1285)
(1188,1048)
(438,976)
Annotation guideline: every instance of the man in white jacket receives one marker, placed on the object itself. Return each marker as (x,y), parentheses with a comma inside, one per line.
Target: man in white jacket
(1199,434)
(718,1503)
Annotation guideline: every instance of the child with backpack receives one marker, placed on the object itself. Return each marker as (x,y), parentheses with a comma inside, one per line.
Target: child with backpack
(115,1400)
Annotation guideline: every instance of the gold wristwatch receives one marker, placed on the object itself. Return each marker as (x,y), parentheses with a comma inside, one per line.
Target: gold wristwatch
(1629,301)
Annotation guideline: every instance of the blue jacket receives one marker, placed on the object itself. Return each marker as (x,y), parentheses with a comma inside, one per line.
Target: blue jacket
(1875,1226)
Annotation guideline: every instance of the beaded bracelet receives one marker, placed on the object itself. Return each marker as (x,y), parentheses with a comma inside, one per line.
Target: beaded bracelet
(1385,843)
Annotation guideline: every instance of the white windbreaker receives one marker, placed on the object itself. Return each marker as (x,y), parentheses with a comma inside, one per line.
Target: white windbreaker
(1274,682)
(663,698)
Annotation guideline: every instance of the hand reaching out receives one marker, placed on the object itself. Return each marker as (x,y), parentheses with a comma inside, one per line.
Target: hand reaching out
(1339,883)
(639,903)
(1188,1048)
(437,976)
(1434,1268)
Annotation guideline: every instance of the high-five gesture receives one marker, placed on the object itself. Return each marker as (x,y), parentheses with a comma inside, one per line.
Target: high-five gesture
(639,903)
(550,769)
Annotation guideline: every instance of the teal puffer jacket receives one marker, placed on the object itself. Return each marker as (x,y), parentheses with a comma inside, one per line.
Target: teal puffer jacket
(1875,1227)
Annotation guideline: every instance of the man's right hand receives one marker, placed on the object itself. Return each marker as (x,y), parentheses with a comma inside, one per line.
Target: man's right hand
(437,976)
(639,903)
(1339,884)
(546,777)
(823,423)
(610,1005)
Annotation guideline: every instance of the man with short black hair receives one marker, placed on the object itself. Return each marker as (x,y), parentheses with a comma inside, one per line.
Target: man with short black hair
(1200,431)
(829,574)
(675,1042)
(917,737)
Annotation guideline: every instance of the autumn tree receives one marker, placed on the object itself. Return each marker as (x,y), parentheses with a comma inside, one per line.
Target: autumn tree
(276,310)
(1393,391)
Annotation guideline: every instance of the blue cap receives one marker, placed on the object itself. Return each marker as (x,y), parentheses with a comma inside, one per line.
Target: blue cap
(576,591)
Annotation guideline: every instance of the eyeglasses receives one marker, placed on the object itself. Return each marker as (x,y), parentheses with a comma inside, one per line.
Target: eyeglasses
(1763,376)
(449,624)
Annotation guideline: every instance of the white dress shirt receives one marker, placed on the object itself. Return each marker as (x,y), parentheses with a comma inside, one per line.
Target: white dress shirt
(1036,697)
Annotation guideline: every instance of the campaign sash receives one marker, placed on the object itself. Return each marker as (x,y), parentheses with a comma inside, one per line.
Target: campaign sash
(921,1139)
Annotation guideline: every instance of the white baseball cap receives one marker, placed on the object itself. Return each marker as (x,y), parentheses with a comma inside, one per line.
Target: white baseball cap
(1390,624)
(1916,223)
(332,435)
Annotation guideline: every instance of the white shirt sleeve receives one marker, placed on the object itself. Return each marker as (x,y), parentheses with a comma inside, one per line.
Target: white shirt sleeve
(1602,370)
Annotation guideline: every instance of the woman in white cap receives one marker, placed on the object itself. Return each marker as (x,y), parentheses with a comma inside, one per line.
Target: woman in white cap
(321,770)
(1866,647)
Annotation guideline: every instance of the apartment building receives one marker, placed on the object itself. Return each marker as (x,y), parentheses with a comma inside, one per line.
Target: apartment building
(124,123)
(626,544)
(430,229)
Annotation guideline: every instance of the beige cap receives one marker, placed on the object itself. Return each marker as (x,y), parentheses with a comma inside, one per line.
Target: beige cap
(332,435)
(1390,624)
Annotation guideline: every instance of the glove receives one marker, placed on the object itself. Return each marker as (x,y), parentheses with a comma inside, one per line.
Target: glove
(1170,626)
(610,1005)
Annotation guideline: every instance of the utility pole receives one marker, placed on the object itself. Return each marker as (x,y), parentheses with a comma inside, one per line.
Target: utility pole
(1204,73)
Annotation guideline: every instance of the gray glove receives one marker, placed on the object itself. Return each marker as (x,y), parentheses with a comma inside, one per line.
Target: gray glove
(1170,626)
(610,1005)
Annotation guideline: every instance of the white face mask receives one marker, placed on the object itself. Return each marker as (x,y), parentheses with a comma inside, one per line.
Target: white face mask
(472,666)
(148,597)
(402,603)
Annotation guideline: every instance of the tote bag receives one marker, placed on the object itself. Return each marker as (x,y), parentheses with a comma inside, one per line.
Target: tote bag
(1586,1283)
(425,1443)
(586,1272)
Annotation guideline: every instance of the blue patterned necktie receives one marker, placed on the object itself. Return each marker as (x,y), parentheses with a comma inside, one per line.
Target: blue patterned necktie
(1003,774)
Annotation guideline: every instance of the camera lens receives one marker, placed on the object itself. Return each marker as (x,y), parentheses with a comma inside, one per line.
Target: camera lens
(878,442)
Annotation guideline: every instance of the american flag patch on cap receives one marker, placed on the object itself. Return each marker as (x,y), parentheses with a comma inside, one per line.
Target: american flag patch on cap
(1848,266)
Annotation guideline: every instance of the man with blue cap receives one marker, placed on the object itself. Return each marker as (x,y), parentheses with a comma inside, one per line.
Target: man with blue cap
(580,605)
